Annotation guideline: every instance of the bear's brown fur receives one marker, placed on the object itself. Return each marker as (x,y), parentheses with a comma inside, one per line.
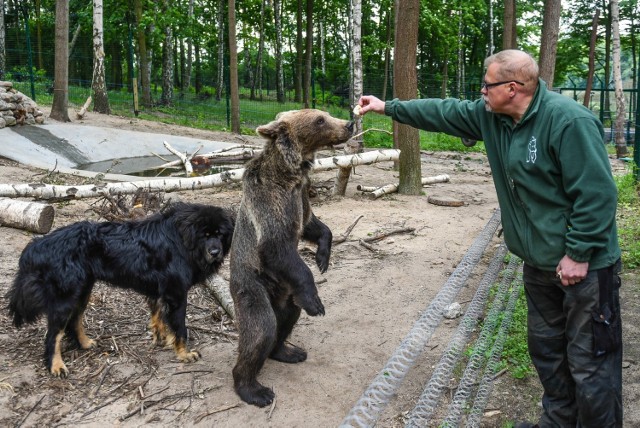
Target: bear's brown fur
(270,283)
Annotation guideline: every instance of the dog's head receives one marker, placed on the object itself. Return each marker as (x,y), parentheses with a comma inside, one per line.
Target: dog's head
(305,131)
(206,232)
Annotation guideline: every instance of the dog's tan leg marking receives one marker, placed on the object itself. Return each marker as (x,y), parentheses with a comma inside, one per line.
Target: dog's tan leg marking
(58,368)
(160,332)
(182,353)
(85,341)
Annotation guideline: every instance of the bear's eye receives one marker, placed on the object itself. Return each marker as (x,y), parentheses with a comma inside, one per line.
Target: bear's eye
(320,121)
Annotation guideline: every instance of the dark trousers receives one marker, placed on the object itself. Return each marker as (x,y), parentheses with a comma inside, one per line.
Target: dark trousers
(580,389)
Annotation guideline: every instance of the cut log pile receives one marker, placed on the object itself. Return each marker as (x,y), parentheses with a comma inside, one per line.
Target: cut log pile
(16,108)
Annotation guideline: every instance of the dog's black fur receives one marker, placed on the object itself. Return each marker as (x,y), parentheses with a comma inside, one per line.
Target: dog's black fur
(161,257)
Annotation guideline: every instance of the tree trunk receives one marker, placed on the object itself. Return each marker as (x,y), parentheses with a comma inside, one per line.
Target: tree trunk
(59,107)
(592,58)
(407,138)
(621,111)
(233,70)
(144,70)
(31,216)
(257,80)
(387,53)
(278,48)
(99,86)
(3,51)
(186,77)
(510,36)
(607,62)
(38,32)
(297,96)
(308,69)
(198,85)
(167,60)
(549,42)
(220,78)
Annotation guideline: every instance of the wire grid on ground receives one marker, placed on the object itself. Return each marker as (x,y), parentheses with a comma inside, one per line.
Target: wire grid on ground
(376,397)
(432,393)
(478,360)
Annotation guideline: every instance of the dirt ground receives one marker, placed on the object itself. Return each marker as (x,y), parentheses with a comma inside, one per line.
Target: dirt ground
(372,298)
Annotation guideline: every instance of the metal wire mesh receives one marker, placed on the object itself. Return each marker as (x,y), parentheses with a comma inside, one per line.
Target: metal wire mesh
(483,344)
(377,395)
(433,390)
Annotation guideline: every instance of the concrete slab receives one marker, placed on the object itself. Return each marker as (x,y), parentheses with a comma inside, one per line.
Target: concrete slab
(69,147)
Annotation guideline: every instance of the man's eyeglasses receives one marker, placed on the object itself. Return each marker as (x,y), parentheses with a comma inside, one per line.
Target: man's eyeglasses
(486,85)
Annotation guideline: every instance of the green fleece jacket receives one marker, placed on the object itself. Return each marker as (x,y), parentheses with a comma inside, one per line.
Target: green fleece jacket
(551,172)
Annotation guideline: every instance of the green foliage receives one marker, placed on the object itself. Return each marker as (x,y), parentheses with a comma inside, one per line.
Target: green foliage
(515,353)
(629,219)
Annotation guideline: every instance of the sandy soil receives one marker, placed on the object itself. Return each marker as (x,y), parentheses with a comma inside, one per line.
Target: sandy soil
(372,298)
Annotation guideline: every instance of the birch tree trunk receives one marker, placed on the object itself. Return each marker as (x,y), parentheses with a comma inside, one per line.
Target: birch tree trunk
(406,138)
(278,48)
(549,42)
(387,52)
(233,70)
(99,86)
(356,59)
(167,59)
(220,77)
(59,107)
(354,145)
(621,111)
(186,77)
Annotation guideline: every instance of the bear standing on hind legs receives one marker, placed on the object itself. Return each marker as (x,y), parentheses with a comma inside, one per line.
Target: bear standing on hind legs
(270,283)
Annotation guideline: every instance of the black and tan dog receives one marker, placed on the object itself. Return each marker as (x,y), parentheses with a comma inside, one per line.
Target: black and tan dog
(161,257)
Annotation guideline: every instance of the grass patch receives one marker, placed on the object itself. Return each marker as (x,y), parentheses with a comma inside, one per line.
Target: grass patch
(628,217)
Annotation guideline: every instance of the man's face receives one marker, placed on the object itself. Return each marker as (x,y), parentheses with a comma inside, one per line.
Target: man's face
(496,98)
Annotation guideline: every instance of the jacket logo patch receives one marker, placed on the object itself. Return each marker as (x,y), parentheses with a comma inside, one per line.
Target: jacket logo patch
(533,150)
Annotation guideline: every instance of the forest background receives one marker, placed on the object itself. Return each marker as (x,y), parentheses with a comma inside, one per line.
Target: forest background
(184,62)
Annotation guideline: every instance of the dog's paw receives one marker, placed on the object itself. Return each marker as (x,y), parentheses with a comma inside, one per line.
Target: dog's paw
(59,369)
(190,356)
(87,343)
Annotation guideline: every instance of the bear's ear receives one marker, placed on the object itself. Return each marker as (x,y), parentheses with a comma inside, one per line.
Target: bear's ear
(270,130)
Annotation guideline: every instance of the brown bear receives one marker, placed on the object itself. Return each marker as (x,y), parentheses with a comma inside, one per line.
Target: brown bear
(270,283)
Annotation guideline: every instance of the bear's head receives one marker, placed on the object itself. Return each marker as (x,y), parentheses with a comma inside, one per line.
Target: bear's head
(306,131)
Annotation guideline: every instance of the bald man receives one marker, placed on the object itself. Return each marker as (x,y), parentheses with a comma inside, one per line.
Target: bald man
(557,201)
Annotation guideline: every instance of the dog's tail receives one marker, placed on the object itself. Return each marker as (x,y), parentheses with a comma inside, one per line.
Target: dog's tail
(26,299)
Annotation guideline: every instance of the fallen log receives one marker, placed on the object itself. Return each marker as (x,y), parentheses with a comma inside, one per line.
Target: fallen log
(48,191)
(375,193)
(83,110)
(31,216)
(219,287)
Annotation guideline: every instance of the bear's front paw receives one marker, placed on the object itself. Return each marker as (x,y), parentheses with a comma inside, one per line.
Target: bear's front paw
(322,260)
(311,304)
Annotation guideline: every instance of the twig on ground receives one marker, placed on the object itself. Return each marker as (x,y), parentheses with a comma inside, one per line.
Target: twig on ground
(346,234)
(199,418)
(387,234)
